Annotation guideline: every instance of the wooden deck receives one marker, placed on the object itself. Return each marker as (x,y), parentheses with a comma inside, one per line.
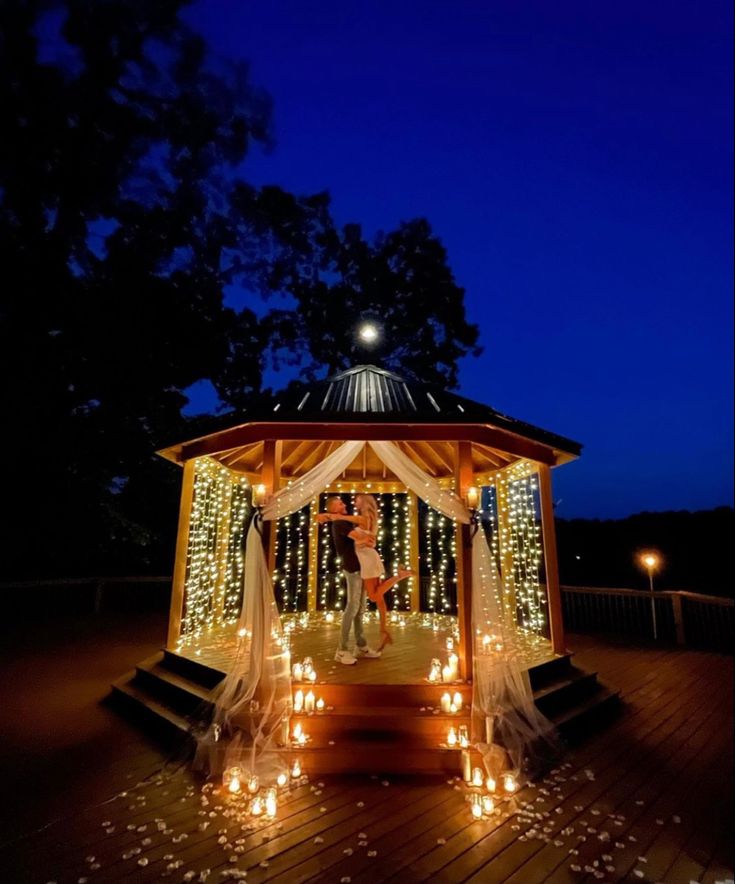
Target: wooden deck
(648,799)
(418,638)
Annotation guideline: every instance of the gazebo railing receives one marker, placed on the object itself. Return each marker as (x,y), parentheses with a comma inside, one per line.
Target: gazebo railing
(684,618)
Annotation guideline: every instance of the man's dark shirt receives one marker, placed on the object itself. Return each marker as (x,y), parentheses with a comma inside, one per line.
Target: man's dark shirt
(344,545)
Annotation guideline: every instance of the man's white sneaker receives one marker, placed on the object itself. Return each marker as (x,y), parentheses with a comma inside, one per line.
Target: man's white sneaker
(366,651)
(345,657)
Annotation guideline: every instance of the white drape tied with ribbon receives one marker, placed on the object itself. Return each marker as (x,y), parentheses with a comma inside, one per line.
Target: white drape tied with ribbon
(252,706)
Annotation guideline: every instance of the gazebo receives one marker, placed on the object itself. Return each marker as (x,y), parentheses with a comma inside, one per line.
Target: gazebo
(499,466)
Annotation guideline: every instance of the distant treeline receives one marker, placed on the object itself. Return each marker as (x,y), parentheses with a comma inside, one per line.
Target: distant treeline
(695,547)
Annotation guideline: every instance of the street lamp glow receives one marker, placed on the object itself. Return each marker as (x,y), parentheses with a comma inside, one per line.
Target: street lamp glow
(368,333)
(650,561)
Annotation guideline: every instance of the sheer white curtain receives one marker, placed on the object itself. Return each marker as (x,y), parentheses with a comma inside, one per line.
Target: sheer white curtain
(252,704)
(507,728)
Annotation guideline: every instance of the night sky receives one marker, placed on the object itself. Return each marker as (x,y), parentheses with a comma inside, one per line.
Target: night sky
(575,159)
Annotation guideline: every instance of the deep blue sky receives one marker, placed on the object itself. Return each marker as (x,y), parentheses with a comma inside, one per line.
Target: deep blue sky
(575,159)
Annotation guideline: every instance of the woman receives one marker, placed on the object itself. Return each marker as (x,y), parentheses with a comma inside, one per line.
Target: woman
(372,569)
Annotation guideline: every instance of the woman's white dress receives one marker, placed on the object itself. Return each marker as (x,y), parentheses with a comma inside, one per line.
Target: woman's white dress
(371,565)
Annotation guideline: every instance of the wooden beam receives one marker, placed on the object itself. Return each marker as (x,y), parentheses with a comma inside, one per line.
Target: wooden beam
(178,583)
(415,455)
(270,476)
(479,433)
(463,480)
(551,562)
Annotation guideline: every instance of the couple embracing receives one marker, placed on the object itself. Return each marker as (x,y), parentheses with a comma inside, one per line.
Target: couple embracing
(354,540)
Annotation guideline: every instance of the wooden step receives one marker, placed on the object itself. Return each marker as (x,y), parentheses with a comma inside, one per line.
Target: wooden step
(407,725)
(183,695)
(377,758)
(127,693)
(564,692)
(580,720)
(206,676)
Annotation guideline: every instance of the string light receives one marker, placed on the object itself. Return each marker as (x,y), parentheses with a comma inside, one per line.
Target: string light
(214,557)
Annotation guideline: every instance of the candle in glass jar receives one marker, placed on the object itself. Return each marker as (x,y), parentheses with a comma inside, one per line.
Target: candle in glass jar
(297,731)
(454,665)
(447,673)
(476,807)
(320,704)
(450,643)
(309,701)
(298,701)
(271,804)
(446,702)
(488,805)
(296,769)
(509,783)
(298,672)
(253,784)
(234,784)
(457,700)
(466,766)
(282,779)
(256,806)
(477,777)
(490,784)
(311,677)
(452,737)
(464,739)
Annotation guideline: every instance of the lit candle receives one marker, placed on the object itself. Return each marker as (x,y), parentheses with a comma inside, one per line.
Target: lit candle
(434,674)
(296,769)
(259,493)
(320,704)
(486,642)
(452,737)
(446,702)
(329,616)
(452,708)
(297,731)
(447,673)
(466,766)
(253,784)
(312,676)
(476,807)
(309,702)
(490,784)
(509,783)
(464,739)
(454,664)
(298,701)
(298,672)
(473,497)
(477,777)
(450,643)
(271,804)
(234,784)
(488,805)
(457,701)
(282,779)
(256,806)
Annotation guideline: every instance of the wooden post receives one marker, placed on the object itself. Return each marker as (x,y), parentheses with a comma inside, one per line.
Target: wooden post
(463,480)
(311,599)
(413,562)
(681,638)
(223,544)
(270,476)
(551,562)
(182,547)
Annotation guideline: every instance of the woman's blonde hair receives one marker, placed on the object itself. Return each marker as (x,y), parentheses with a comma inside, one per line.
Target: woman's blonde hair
(369,509)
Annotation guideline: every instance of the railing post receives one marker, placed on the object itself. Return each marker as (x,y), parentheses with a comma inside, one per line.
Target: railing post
(463,480)
(678,618)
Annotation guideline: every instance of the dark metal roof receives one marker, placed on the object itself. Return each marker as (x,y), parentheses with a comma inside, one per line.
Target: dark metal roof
(367,393)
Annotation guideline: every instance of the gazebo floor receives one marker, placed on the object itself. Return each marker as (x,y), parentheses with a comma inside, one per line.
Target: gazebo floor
(648,799)
(418,638)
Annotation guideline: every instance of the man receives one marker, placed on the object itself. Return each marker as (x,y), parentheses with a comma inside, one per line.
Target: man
(343,538)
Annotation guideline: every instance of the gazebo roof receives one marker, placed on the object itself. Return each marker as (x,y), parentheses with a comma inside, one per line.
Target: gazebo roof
(367,393)
(367,402)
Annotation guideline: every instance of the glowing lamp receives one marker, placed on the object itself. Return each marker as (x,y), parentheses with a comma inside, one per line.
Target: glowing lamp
(259,494)
(473,497)
(368,333)
(509,783)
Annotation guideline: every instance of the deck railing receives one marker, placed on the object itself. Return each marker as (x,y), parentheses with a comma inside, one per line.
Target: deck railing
(686,618)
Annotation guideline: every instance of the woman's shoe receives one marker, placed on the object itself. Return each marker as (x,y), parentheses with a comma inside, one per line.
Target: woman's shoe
(387,639)
(406,572)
